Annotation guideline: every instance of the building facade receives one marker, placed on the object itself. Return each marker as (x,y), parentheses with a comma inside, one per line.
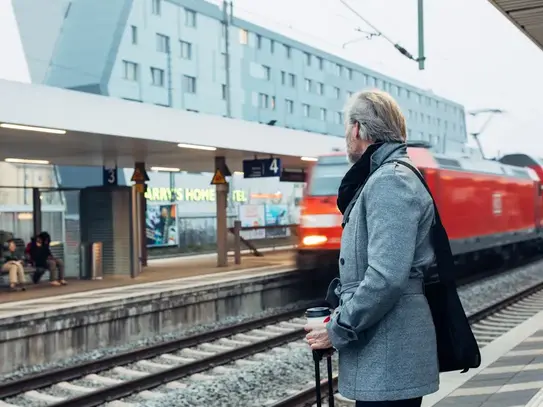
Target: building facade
(197,56)
(174,53)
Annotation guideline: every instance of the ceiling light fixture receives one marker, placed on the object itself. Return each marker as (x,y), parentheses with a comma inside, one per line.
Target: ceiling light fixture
(309,159)
(31,128)
(165,169)
(25,161)
(196,147)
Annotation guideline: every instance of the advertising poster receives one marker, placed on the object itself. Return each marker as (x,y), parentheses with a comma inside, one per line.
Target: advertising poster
(252,215)
(161,225)
(277,215)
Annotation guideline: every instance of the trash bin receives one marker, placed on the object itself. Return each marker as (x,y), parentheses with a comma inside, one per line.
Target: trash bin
(90,255)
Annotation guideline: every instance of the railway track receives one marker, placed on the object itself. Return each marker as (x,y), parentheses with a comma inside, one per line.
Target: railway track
(97,382)
(151,372)
(487,324)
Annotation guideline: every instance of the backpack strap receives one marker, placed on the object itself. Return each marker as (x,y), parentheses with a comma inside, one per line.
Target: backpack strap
(440,239)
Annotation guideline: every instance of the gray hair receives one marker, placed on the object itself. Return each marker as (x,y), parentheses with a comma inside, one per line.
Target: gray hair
(378,114)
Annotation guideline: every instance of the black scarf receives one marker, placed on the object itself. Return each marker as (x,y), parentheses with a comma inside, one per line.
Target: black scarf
(355,178)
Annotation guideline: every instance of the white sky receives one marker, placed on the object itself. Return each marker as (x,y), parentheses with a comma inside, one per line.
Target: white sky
(475,56)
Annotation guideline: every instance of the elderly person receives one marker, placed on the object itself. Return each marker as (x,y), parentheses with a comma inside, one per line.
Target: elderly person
(382,328)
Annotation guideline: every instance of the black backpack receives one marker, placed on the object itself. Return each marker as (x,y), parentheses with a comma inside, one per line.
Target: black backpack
(456,345)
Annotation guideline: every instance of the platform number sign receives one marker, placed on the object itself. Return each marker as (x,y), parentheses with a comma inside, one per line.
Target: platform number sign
(109,176)
(497,203)
(262,168)
(274,167)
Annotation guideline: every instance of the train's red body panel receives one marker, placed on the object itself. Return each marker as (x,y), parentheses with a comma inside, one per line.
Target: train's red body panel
(483,204)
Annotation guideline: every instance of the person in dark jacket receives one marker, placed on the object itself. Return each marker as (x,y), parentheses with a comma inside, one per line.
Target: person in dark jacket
(40,255)
(13,264)
(54,265)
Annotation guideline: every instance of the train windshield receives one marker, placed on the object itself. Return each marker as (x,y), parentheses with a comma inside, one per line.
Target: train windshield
(327,175)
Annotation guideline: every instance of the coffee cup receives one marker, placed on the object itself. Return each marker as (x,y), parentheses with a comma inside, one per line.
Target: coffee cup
(318,315)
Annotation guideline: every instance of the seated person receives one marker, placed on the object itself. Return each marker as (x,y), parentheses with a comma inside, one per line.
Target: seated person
(54,265)
(28,257)
(13,264)
(40,256)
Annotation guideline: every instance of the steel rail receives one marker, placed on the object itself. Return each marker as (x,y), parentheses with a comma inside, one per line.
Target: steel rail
(306,396)
(53,376)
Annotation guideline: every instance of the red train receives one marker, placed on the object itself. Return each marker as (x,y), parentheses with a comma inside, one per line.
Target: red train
(490,209)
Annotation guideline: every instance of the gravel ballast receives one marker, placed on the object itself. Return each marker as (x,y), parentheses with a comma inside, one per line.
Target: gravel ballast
(103,352)
(283,372)
(274,378)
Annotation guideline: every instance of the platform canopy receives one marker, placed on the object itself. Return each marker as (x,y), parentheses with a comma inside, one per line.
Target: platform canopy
(526,15)
(76,128)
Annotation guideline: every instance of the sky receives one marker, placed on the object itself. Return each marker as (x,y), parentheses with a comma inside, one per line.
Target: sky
(474,55)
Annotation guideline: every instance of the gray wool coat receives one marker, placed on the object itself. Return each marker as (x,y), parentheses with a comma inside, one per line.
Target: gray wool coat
(383,328)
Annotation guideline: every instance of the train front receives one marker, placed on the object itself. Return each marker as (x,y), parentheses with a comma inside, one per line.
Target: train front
(319,232)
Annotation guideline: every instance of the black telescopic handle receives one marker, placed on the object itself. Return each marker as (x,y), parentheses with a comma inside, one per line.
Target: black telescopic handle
(330,383)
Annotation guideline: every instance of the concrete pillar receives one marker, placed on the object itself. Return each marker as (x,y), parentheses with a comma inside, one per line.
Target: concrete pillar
(143,225)
(136,231)
(36,210)
(222,202)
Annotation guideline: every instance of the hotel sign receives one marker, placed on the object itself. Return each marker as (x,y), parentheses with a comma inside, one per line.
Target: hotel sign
(190,195)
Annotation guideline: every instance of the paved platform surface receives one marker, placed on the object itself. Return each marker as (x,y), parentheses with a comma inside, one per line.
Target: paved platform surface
(158,271)
(511,373)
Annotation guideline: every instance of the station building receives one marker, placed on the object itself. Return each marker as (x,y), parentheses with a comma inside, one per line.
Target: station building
(196,56)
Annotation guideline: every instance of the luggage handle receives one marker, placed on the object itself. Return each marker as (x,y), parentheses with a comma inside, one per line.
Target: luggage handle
(317,357)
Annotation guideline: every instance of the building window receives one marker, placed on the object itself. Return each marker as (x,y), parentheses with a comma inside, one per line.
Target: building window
(288,51)
(272,46)
(320,88)
(306,110)
(134,34)
(349,74)
(267,72)
(243,37)
(130,70)
(336,92)
(323,114)
(292,80)
(273,102)
(290,106)
(307,58)
(349,93)
(338,117)
(337,69)
(156,7)
(189,84)
(186,50)
(223,90)
(307,85)
(190,18)
(283,77)
(157,76)
(320,63)
(162,43)
(263,101)
(258,41)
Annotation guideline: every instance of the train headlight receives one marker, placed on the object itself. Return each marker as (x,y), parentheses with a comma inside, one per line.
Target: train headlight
(314,240)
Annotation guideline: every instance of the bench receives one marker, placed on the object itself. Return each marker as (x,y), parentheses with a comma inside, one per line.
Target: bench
(20,245)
